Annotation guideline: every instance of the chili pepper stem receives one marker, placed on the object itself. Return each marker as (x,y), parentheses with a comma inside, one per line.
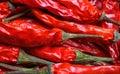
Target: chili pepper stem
(43,71)
(84,58)
(116,36)
(15,16)
(66,36)
(12,67)
(11,5)
(104,17)
(25,58)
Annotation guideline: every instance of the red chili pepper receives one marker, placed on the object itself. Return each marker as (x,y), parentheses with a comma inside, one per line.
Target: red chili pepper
(4,10)
(58,54)
(27,32)
(66,68)
(76,28)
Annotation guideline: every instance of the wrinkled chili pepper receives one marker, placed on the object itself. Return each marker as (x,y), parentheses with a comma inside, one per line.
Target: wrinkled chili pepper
(76,28)
(58,54)
(4,10)
(79,14)
(66,68)
(86,46)
(27,32)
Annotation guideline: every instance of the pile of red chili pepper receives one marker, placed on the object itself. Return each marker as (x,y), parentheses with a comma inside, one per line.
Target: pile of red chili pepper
(59,37)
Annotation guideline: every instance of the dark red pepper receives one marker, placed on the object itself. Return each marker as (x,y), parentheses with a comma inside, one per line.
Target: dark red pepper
(86,46)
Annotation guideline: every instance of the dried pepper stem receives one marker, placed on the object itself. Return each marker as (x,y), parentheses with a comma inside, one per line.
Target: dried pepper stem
(84,58)
(12,67)
(25,58)
(116,36)
(66,36)
(28,72)
(15,16)
(104,17)
(18,70)
(42,71)
(11,5)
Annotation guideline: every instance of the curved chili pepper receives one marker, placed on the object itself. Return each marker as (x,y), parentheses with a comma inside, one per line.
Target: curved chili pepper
(4,10)
(76,28)
(27,32)
(58,54)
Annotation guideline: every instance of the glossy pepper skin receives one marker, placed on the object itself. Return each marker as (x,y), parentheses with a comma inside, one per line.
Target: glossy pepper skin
(25,32)
(76,14)
(73,27)
(97,3)
(9,54)
(66,68)
(55,54)
(58,54)
(4,10)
